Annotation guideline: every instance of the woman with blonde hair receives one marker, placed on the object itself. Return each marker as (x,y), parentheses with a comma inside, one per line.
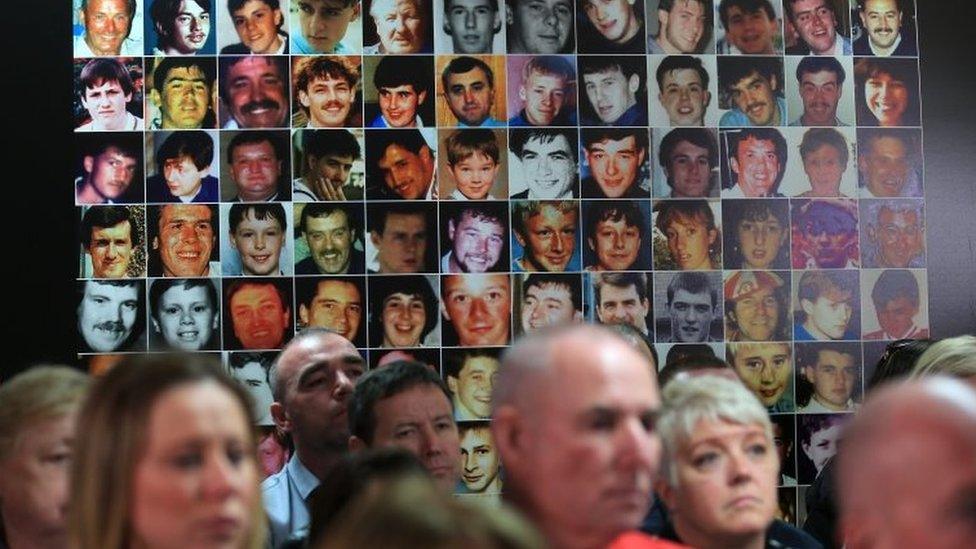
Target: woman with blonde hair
(953,356)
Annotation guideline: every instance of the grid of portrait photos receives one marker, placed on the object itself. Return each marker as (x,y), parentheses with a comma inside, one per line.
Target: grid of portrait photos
(434,180)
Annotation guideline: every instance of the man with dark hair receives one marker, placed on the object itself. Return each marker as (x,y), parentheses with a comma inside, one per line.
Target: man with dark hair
(323,25)
(825,153)
(828,300)
(105,88)
(257,162)
(258,233)
(756,234)
(682,83)
(545,89)
(682,26)
(403,311)
(692,304)
(183,163)
(884,32)
(756,307)
(403,234)
(183,238)
(406,405)
(622,298)
(539,27)
(615,91)
(471,24)
(401,166)
(470,375)
(182,26)
(615,157)
(550,300)
(612,26)
(688,157)
(258,25)
(254,89)
(821,83)
(402,85)
(259,313)
(331,231)
(757,158)
(469,88)
(816,23)
(107,25)
(111,315)
(476,237)
(333,303)
(825,234)
(615,231)
(181,92)
(328,157)
(108,236)
(549,160)
(750,26)
(110,163)
(546,231)
(896,303)
(753,87)
(327,90)
(831,370)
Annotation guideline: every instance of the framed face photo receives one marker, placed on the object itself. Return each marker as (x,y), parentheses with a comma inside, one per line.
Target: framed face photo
(687,235)
(545,235)
(404,311)
(329,165)
(180,93)
(541,90)
(111,316)
(619,298)
(473,164)
(256,166)
(893,233)
(113,241)
(687,163)
(258,313)
(826,305)
(688,307)
(757,233)
(474,237)
(402,237)
(470,376)
(817,435)
(108,168)
(684,90)
(829,377)
(477,309)
(470,27)
(252,371)
(543,163)
(886,92)
(383,34)
(324,26)
(328,238)
(613,90)
(336,303)
(819,90)
(545,27)
(182,240)
(889,162)
(766,369)
(749,28)
(821,164)
(757,306)
(184,314)
(241,108)
(615,163)
(328,91)
(107,94)
(399,91)
(185,167)
(547,299)
(687,27)
(470,91)
(255,239)
(824,233)
(898,307)
(480,462)
(615,237)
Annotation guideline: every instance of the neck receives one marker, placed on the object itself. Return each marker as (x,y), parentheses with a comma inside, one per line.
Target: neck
(557,536)
(828,405)
(666,45)
(879,51)
(89,195)
(812,330)
(692,537)
(318,461)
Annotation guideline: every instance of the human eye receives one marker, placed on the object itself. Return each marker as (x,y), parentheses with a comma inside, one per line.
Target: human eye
(754,364)
(190,459)
(171,310)
(130,305)
(705,460)
(238,21)
(757,449)
(200,308)
(603,420)
(459,299)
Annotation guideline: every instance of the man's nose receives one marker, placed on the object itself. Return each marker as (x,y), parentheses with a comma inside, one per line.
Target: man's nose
(469,96)
(612,168)
(470,463)
(479,309)
(188,233)
(470,22)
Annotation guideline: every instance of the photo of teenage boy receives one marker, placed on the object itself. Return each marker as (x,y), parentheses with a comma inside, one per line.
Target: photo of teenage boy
(470,375)
(616,163)
(749,27)
(403,312)
(470,26)
(820,90)
(185,314)
(333,303)
(545,235)
(472,167)
(323,26)
(257,313)
(475,239)
(330,166)
(181,27)
(757,306)
(757,161)
(254,90)
(401,164)
(824,233)
(400,94)
(828,377)
(542,90)
(471,91)
(331,239)
(886,92)
(106,27)
(819,24)
(398,27)
(480,464)
(258,240)
(184,161)
(679,26)
(326,91)
(547,299)
(111,237)
(826,306)
(259,25)
(477,309)
(766,369)
(686,236)
(684,91)
(688,164)
(825,154)
(784,439)
(181,93)
(109,168)
(402,237)
(613,91)
(544,163)
(183,240)
(611,26)
(257,168)
(893,233)
(616,235)
(621,298)
(887,28)
(106,92)
(889,162)
(688,307)
(751,90)
(898,305)
(540,26)
(757,234)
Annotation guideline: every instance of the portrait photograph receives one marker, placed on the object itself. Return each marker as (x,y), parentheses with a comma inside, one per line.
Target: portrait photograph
(480,461)
(328,165)
(685,163)
(745,27)
(757,233)
(470,91)
(470,26)
(255,166)
(543,163)
(255,239)
(108,168)
(180,93)
(824,233)
(898,304)
(108,94)
(541,90)
(398,91)
(336,303)
(327,91)
(828,377)
(404,311)
(886,92)
(683,90)
(113,241)
(893,233)
(547,299)
(402,237)
(822,163)
(817,436)
(688,307)
(470,377)
(182,167)
(766,369)
(687,27)
(111,316)
(184,314)
(820,90)
(615,235)
(473,164)
(615,163)
(181,27)
(328,238)
(687,235)
(257,27)
(620,298)
(474,237)
(826,305)
(397,26)
(258,313)
(477,309)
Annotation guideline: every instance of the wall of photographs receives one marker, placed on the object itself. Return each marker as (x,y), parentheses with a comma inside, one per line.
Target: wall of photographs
(740,179)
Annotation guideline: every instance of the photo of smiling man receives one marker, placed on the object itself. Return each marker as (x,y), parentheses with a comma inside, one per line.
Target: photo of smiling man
(399,91)
(112,242)
(616,163)
(331,238)
(751,91)
(546,235)
(477,308)
(470,376)
(257,313)
(475,239)
(183,240)
(757,306)
(544,163)
(616,235)
(327,91)
(828,377)
(111,315)
(611,26)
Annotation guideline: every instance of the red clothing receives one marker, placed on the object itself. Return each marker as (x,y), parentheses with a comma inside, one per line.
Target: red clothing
(640,540)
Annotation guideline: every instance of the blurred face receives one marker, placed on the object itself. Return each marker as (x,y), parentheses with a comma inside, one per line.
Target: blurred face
(479,308)
(615,164)
(272,455)
(477,243)
(399,105)
(691,316)
(470,96)
(474,175)
(107,24)
(107,315)
(34,479)
(472,387)
(259,317)
(259,243)
(825,168)
(254,377)
(830,246)
(899,236)
(820,93)
(751,32)
(255,169)
(623,306)
(547,305)
(823,445)
(539,26)
(257,25)
(757,315)
(760,241)
(543,96)
(726,482)
(111,250)
(404,316)
(184,99)
(765,368)
(190,28)
(257,93)
(330,241)
(401,246)
(106,105)
(689,241)
(827,315)
(757,167)
(614,19)
(185,317)
(196,482)
(419,421)
(884,167)
(549,168)
(110,173)
(833,378)
(616,244)
(682,27)
(755,97)
(400,24)
(611,93)
(887,98)
(183,178)
(186,238)
(479,459)
(406,173)
(324,22)
(684,97)
(882,21)
(550,239)
(814,20)
(336,305)
(472,25)
(896,316)
(689,171)
(328,101)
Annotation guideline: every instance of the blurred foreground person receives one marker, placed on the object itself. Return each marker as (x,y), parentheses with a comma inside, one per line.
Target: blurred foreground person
(953,356)
(37,419)
(169,459)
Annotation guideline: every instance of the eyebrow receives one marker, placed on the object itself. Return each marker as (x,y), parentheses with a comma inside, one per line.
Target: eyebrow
(344,360)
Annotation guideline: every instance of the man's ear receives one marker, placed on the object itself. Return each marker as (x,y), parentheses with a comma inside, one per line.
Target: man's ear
(509,16)
(452,384)
(508,433)
(303,314)
(498,24)
(450,229)
(302,98)
(708,98)
(518,237)
(633,83)
(421,97)
(807,306)
(155,243)
(774,83)
(357,444)
(664,491)
(88,162)
(734,164)
(155,98)
(280,416)
(356,11)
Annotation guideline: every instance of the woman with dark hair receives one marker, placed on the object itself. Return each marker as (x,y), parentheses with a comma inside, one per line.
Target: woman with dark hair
(886,92)
(402,311)
(756,234)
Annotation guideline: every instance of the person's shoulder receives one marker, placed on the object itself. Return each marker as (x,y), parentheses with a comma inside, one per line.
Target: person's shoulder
(640,540)
(306,266)
(273,483)
(782,534)
(235,49)
(522,195)
(800,48)
(861,46)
